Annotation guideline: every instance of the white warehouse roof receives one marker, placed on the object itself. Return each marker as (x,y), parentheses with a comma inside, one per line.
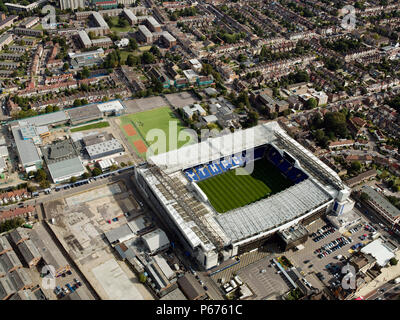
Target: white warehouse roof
(379,251)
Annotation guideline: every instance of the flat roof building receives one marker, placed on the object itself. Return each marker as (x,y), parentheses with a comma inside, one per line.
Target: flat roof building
(84,39)
(152,24)
(104,149)
(379,251)
(84,114)
(130,16)
(381,205)
(24,295)
(156,241)
(191,287)
(66,169)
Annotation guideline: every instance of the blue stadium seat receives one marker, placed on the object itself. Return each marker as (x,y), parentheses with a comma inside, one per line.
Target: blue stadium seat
(237,161)
(214,169)
(191,175)
(225,164)
(202,172)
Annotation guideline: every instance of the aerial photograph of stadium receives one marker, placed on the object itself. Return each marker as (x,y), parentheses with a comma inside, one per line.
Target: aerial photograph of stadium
(226,152)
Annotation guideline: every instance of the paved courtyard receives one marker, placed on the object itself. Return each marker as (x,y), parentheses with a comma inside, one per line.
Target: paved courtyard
(181,99)
(314,263)
(264,280)
(115,282)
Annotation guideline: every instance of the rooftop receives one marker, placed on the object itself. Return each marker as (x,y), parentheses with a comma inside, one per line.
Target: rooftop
(27,151)
(381,201)
(379,251)
(66,168)
(104,147)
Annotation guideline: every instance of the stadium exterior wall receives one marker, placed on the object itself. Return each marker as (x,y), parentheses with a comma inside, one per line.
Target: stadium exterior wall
(317,211)
(207,259)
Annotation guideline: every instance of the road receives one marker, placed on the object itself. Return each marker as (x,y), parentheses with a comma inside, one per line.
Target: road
(375,219)
(389,291)
(56,195)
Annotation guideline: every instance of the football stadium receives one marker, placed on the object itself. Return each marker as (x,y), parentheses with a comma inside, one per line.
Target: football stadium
(229,194)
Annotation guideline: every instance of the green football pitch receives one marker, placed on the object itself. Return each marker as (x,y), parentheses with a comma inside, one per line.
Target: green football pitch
(229,191)
(156,127)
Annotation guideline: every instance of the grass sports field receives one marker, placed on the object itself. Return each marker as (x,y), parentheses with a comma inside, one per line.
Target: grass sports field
(136,127)
(96,125)
(229,191)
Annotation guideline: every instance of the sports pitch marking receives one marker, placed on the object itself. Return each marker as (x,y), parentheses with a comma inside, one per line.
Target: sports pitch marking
(142,122)
(140,146)
(229,191)
(129,130)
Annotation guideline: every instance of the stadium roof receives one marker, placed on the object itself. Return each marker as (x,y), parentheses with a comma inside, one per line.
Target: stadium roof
(204,226)
(275,211)
(215,148)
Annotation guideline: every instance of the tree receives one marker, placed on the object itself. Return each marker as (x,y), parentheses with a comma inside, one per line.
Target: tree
(311,103)
(77,103)
(356,166)
(132,44)
(96,172)
(40,175)
(73,180)
(85,175)
(335,122)
(147,58)
(364,196)
(132,60)
(65,66)
(44,184)
(49,109)
(393,261)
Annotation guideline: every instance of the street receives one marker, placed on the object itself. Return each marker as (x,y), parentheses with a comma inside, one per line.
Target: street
(389,291)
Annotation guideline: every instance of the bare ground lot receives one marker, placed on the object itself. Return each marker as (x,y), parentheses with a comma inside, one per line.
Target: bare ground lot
(79,223)
(144,104)
(181,99)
